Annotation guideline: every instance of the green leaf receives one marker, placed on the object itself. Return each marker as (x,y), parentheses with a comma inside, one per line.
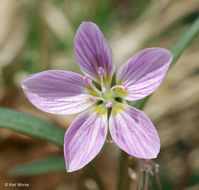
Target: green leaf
(184,41)
(176,50)
(139,104)
(47,165)
(31,125)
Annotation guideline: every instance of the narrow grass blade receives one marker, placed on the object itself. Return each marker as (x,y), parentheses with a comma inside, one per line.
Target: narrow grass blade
(46,165)
(31,125)
(184,41)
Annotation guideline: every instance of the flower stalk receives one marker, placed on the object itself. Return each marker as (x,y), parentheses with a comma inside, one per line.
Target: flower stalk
(141,181)
(96,176)
(146,184)
(123,177)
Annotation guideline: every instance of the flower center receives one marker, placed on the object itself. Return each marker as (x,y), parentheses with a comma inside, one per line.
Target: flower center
(106,96)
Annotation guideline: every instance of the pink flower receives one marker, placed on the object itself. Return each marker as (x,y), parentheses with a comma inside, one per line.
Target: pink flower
(65,92)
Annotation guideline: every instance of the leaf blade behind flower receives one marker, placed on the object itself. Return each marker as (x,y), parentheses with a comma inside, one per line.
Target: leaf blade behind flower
(31,125)
(184,41)
(45,165)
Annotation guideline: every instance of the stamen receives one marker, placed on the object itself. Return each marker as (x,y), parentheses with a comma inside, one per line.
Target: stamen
(91,98)
(101,74)
(100,98)
(89,82)
(123,86)
(109,105)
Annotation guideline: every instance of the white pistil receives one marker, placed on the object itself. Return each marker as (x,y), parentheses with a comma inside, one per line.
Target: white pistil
(91,98)
(123,86)
(87,80)
(101,74)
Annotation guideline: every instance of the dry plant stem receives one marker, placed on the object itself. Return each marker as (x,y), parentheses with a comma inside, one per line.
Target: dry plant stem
(177,50)
(157,181)
(96,176)
(184,41)
(123,178)
(146,183)
(141,181)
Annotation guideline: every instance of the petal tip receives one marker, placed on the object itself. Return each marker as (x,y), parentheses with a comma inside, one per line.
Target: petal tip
(147,156)
(153,156)
(153,153)
(159,49)
(166,52)
(69,169)
(86,23)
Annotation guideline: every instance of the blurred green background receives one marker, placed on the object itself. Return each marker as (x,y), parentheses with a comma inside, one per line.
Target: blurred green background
(37,35)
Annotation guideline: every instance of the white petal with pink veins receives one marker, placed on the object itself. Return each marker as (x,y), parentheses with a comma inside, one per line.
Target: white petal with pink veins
(134,132)
(84,139)
(57,92)
(143,73)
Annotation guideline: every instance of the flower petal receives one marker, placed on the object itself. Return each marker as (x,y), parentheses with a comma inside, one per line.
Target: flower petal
(57,92)
(143,73)
(84,139)
(133,132)
(93,51)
